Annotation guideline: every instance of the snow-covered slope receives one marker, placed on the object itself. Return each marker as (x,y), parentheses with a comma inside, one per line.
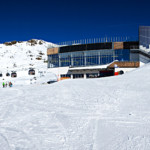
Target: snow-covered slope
(21,56)
(95,114)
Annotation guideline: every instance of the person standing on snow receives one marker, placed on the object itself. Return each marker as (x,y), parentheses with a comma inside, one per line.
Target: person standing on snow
(3,84)
(10,84)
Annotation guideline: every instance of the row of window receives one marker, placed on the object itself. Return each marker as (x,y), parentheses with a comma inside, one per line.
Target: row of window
(87,58)
(90,75)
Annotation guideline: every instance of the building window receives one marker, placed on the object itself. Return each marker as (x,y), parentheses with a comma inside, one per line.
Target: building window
(92,75)
(122,55)
(78,76)
(53,61)
(65,60)
(65,75)
(78,59)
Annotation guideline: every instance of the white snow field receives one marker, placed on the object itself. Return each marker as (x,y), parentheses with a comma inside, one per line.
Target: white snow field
(110,113)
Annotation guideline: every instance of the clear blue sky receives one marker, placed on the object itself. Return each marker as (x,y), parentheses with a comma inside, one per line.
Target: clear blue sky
(65,20)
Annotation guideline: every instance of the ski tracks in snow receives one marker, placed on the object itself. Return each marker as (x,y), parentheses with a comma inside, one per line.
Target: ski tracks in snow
(70,117)
(11,138)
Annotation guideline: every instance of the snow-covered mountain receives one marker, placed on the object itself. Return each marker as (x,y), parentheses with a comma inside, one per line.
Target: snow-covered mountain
(23,55)
(20,56)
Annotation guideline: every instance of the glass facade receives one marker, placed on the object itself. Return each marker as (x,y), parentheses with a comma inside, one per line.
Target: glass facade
(87,58)
(144,36)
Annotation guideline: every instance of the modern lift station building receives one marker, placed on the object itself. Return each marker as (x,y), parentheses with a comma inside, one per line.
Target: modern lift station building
(99,57)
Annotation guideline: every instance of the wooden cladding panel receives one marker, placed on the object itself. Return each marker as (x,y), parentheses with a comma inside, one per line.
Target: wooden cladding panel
(126,64)
(52,51)
(118,45)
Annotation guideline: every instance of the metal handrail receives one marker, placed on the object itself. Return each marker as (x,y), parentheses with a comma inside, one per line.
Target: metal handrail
(98,40)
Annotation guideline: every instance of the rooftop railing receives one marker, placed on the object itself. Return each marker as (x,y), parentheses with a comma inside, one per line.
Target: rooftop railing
(99,40)
(94,40)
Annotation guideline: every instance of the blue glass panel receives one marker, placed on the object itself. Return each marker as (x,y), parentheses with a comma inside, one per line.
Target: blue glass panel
(92,60)
(65,60)
(54,60)
(122,55)
(103,59)
(78,61)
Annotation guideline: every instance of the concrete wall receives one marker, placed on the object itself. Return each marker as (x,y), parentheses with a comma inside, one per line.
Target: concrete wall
(59,71)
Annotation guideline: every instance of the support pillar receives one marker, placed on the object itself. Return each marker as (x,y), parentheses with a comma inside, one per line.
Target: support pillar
(84,59)
(72,60)
(59,61)
(71,76)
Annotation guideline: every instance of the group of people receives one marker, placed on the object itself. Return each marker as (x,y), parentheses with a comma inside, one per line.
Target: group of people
(7,84)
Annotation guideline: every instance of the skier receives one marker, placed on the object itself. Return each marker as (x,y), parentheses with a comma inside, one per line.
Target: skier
(10,84)
(3,84)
